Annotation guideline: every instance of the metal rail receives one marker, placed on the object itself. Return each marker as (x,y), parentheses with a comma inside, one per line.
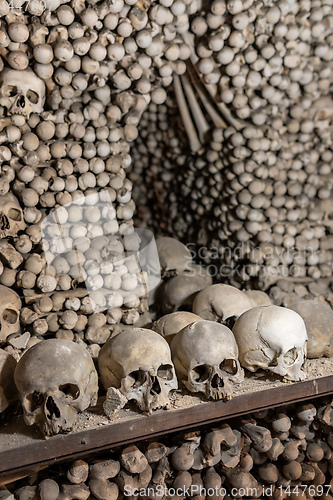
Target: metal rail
(25,459)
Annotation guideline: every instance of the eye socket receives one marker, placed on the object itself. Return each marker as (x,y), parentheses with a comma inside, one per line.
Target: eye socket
(229,366)
(137,378)
(10,316)
(165,372)
(71,391)
(290,357)
(35,400)
(200,373)
(14,214)
(9,91)
(32,96)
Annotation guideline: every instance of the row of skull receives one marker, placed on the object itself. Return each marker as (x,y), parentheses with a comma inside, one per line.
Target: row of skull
(56,378)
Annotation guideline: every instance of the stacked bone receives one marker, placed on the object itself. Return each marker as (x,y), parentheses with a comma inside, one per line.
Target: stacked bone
(263,183)
(75,79)
(272,451)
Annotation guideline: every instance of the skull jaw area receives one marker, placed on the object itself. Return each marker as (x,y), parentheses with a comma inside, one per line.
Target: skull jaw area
(150,392)
(52,416)
(217,385)
(277,363)
(290,371)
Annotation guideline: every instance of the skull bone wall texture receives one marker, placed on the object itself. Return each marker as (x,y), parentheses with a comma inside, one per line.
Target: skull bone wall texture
(75,79)
(256,198)
(256,195)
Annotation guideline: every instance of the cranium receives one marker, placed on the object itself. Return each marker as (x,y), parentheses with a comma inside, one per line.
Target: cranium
(205,355)
(21,92)
(258,298)
(318,319)
(10,305)
(175,257)
(273,338)
(138,363)
(179,292)
(169,325)
(11,216)
(8,391)
(223,303)
(56,379)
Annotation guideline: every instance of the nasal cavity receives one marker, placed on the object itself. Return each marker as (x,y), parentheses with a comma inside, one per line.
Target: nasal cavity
(53,410)
(156,388)
(216,382)
(21,101)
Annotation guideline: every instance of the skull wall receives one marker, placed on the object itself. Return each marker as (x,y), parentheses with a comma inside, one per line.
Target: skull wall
(75,78)
(254,196)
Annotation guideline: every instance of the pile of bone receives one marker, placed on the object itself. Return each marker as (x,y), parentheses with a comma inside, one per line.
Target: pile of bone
(63,138)
(204,352)
(258,180)
(271,451)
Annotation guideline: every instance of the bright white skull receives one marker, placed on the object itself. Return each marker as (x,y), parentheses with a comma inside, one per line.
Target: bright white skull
(138,363)
(21,92)
(56,379)
(273,338)
(8,392)
(10,305)
(11,216)
(205,355)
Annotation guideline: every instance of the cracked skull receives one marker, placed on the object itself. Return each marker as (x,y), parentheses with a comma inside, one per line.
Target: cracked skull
(138,363)
(205,355)
(56,379)
(21,92)
(272,338)
(11,216)
(10,305)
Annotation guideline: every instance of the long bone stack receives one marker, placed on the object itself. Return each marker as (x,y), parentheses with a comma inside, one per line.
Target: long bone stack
(261,184)
(272,452)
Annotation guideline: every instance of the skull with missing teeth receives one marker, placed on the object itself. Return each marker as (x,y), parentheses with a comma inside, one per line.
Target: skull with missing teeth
(205,355)
(138,363)
(272,338)
(21,92)
(56,379)
(11,216)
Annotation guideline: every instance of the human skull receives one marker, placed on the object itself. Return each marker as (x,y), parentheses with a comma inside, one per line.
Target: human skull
(8,390)
(175,257)
(205,355)
(56,379)
(318,319)
(169,325)
(179,292)
(10,305)
(273,338)
(138,363)
(11,216)
(21,92)
(223,303)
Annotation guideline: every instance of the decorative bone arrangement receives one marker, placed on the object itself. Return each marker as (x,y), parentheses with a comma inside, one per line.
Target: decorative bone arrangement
(76,79)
